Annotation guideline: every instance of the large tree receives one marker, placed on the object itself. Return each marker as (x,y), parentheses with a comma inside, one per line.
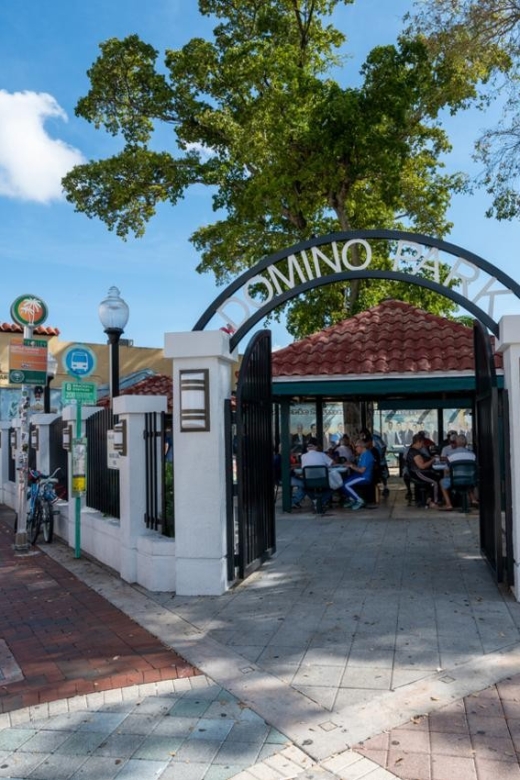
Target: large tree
(289,152)
(484,35)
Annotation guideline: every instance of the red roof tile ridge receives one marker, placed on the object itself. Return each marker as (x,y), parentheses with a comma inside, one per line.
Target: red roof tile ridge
(393,336)
(40,330)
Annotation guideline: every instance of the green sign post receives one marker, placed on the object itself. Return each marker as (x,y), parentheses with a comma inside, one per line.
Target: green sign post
(78,393)
(79,361)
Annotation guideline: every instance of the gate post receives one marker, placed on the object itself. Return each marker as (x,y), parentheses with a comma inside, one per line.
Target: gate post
(508,344)
(199,460)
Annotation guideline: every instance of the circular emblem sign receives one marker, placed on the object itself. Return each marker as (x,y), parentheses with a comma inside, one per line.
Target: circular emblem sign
(29,310)
(79,360)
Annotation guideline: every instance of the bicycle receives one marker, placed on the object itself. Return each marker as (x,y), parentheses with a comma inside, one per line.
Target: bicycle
(42,496)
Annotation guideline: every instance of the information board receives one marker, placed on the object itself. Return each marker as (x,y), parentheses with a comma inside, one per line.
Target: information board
(28,361)
(79,392)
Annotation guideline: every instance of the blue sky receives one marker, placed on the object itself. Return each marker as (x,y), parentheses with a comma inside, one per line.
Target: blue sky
(70,261)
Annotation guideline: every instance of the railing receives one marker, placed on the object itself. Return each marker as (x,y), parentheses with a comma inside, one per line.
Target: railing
(159,502)
(58,457)
(31,461)
(12,456)
(102,482)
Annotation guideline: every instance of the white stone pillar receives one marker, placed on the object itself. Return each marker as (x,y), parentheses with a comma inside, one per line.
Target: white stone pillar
(199,466)
(131,410)
(508,344)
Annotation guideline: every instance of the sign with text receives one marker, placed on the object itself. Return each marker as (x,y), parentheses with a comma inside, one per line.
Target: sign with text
(79,392)
(113,455)
(28,362)
(79,467)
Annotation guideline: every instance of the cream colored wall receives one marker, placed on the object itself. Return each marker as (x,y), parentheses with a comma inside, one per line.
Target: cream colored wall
(130,359)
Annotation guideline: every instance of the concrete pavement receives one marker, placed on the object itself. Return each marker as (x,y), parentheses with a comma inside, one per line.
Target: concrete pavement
(370,646)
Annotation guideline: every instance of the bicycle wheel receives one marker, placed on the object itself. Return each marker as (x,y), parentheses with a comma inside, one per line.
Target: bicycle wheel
(47,521)
(34,522)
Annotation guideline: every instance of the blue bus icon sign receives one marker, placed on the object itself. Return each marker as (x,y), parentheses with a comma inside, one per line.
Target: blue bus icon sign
(79,361)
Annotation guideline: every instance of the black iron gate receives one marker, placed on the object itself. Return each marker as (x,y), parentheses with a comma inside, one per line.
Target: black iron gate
(489,444)
(255,454)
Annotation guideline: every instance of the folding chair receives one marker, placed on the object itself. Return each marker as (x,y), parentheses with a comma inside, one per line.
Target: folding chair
(316,485)
(463,478)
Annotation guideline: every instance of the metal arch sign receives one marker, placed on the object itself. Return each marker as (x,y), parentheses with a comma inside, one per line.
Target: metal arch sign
(471,282)
(29,310)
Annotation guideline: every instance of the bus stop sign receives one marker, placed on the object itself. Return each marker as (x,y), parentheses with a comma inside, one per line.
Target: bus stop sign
(79,361)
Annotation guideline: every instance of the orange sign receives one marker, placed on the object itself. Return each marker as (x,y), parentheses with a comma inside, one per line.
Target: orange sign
(28,361)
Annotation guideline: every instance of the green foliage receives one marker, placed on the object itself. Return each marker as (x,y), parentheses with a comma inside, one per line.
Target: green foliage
(482,38)
(288,152)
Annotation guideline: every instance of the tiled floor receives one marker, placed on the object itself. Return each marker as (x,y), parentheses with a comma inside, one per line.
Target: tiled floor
(194,733)
(477,737)
(361,624)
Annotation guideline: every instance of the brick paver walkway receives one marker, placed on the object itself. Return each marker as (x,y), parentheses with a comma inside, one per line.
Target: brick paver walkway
(58,638)
(475,738)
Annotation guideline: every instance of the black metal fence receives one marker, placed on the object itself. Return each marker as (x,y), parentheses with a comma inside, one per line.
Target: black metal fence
(159,476)
(102,482)
(12,461)
(58,457)
(31,460)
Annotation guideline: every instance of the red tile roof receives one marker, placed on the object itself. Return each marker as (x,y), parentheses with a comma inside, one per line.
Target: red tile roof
(39,330)
(391,338)
(159,384)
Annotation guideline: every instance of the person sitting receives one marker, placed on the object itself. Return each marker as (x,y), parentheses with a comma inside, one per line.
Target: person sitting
(313,457)
(419,466)
(459,452)
(448,445)
(361,473)
(344,449)
(332,452)
(377,447)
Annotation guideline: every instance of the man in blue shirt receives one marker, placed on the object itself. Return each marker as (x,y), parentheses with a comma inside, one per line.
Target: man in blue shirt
(360,472)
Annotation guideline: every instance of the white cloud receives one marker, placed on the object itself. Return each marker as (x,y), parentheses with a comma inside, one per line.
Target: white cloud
(206,152)
(32,163)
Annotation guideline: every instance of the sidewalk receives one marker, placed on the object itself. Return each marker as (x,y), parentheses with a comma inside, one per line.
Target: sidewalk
(325,663)
(58,638)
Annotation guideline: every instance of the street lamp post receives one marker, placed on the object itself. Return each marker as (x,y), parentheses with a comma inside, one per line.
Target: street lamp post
(52,370)
(113,314)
